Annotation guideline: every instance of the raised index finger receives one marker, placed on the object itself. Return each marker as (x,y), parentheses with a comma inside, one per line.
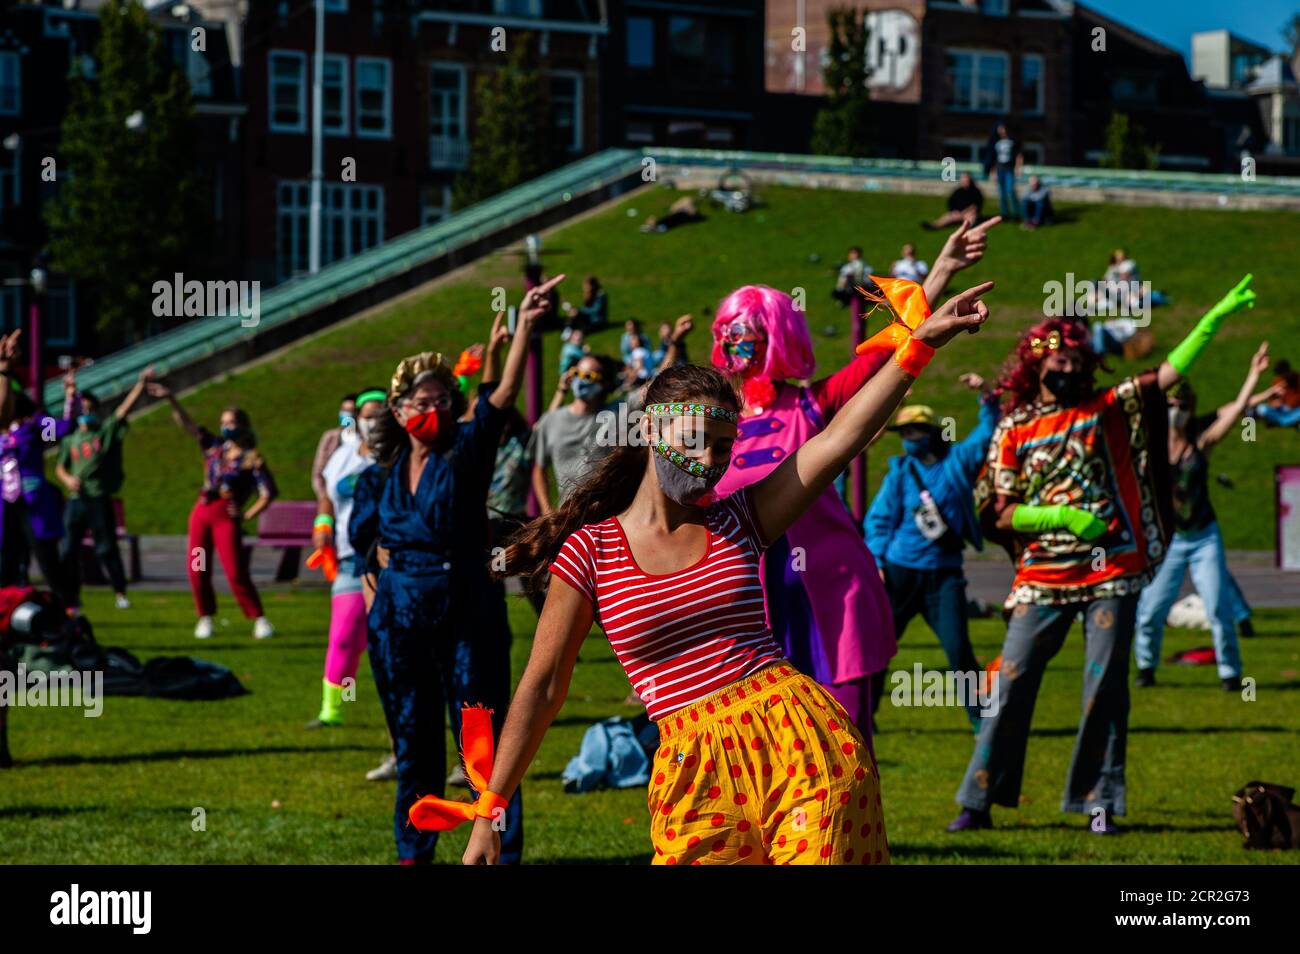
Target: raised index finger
(983,227)
(549,284)
(975,291)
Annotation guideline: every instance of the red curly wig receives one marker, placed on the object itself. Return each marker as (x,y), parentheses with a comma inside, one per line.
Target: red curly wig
(1018,384)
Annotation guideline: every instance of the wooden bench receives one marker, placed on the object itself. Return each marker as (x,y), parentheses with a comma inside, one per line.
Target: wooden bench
(91,572)
(286,524)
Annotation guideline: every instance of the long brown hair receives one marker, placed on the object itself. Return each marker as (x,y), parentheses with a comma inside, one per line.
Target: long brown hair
(610,487)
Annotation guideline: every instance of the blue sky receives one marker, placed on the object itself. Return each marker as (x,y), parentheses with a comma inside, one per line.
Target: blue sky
(1174,21)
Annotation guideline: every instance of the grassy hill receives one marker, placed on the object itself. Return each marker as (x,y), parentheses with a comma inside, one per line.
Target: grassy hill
(794,241)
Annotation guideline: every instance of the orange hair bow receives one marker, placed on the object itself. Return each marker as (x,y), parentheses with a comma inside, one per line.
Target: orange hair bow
(432,813)
(906,304)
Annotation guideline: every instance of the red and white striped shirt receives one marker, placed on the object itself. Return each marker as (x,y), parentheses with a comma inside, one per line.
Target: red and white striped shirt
(685,635)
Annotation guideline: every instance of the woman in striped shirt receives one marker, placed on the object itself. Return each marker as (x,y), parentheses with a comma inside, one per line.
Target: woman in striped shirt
(757,763)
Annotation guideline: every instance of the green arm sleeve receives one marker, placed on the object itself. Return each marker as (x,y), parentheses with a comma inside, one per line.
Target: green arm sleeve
(1184,356)
(1081,523)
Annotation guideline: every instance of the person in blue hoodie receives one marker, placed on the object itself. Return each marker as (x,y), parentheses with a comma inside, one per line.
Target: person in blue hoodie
(920,521)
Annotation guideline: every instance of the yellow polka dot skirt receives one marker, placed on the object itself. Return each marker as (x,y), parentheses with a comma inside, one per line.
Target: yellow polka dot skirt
(768,770)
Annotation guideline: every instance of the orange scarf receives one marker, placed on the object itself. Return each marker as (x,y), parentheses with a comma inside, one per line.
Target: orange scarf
(442,814)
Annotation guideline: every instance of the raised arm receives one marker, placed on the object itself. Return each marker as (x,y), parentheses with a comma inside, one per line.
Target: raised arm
(536,303)
(159,390)
(133,396)
(783,496)
(1231,413)
(497,339)
(681,328)
(565,621)
(1182,358)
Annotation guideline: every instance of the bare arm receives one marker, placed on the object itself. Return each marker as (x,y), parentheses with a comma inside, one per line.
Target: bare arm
(535,304)
(541,489)
(132,396)
(183,420)
(681,328)
(492,354)
(784,495)
(1231,413)
(566,619)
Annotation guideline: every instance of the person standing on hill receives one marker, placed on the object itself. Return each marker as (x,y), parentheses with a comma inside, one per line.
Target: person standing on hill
(90,466)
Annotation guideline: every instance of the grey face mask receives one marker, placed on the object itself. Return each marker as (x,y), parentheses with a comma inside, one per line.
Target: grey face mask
(677,481)
(366,427)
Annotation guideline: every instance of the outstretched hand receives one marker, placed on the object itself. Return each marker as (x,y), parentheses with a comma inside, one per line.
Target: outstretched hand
(962,312)
(1259,363)
(1241,296)
(537,301)
(966,245)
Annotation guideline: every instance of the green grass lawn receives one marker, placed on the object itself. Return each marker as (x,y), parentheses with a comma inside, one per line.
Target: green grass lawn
(122,788)
(1193,256)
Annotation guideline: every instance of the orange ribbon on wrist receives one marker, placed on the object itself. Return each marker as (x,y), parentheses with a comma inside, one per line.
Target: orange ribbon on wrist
(432,813)
(913,356)
(906,304)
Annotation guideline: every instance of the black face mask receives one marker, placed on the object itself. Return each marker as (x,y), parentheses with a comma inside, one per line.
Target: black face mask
(1066,386)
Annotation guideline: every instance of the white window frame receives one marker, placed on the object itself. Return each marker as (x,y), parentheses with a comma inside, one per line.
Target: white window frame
(272,86)
(16,107)
(977,54)
(1037,108)
(69,291)
(342,204)
(575,144)
(344,100)
(430,214)
(358,64)
(11,194)
(975,147)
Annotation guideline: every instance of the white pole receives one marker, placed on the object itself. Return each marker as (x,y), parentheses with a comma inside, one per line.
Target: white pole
(317,94)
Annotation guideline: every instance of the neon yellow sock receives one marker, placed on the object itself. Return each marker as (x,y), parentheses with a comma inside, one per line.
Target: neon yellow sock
(331,704)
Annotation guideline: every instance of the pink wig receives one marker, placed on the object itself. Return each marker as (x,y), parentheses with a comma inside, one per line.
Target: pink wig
(789,346)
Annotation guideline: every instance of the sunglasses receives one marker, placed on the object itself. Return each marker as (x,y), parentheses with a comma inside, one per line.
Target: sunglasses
(437,404)
(589,375)
(740,330)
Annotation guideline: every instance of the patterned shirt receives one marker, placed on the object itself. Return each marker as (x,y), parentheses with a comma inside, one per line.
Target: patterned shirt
(685,635)
(1095,456)
(234,477)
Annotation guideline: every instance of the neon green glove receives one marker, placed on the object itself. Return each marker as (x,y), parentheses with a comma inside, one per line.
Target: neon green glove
(1185,355)
(1080,522)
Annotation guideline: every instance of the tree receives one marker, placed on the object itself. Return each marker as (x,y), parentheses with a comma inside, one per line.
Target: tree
(1127,146)
(506,148)
(843,125)
(128,212)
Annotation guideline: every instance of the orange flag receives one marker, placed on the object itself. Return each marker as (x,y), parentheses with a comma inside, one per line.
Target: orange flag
(442,814)
(906,304)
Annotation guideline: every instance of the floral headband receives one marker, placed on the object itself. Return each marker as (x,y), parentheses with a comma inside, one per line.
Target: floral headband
(682,462)
(683,410)
(1040,346)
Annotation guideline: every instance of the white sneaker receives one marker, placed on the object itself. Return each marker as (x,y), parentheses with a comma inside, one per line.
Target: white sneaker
(203,629)
(262,628)
(121,602)
(387,770)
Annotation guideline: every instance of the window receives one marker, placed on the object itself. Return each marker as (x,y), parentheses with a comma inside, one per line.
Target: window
(1031,83)
(1033,153)
(435,204)
(640,134)
(11,84)
(374,98)
(288,91)
(11,307)
(640,43)
(1134,89)
(352,220)
(448,144)
(1291,135)
(10,177)
(336,6)
(59,316)
(702,53)
(566,110)
(334,94)
(994,8)
(517,8)
(963,150)
(977,81)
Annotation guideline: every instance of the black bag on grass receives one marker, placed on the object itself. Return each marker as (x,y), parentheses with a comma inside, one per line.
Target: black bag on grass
(1267,816)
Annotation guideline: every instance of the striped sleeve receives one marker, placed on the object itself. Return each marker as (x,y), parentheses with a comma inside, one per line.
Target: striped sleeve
(741,506)
(575,564)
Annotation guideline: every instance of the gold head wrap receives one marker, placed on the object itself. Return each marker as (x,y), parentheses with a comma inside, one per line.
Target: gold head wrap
(418,366)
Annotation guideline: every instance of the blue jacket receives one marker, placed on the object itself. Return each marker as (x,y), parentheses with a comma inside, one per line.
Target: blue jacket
(892,534)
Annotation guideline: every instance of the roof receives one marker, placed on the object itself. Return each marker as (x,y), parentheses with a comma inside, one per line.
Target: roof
(1271,74)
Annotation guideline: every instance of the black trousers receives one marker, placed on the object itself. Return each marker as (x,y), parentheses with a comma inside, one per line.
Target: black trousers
(20,544)
(96,515)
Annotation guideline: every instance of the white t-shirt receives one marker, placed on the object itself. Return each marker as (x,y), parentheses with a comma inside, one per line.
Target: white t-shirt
(914,270)
(340,476)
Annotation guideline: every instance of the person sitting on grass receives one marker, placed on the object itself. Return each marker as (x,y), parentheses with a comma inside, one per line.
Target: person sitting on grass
(1278,405)
(593,313)
(573,349)
(1038,205)
(909,266)
(964,205)
(90,466)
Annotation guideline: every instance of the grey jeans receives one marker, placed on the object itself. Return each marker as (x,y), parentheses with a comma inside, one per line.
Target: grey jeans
(1034,635)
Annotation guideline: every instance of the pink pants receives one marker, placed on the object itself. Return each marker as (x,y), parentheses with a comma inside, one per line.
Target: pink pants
(855,697)
(347,637)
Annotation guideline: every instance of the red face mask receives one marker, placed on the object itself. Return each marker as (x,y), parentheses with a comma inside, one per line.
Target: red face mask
(425,427)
